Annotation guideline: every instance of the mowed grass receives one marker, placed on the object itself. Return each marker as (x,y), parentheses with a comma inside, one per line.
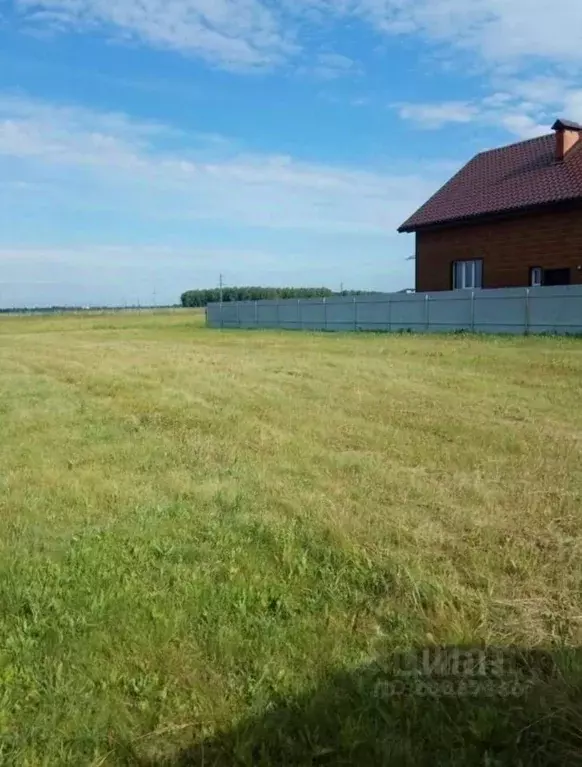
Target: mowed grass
(212,544)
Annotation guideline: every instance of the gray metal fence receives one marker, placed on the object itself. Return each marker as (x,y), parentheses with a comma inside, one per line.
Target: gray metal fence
(511,310)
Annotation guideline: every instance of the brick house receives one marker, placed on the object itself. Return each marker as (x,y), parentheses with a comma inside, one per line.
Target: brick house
(512,217)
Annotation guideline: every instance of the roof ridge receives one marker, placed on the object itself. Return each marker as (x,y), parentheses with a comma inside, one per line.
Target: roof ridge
(515,143)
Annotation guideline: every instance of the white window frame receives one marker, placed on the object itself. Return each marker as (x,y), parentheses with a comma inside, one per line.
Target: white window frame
(536,277)
(469,274)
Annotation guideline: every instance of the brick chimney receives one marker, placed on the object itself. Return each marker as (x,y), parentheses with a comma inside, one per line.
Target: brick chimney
(567,136)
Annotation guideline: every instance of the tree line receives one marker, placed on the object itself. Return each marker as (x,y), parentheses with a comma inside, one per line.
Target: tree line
(197,298)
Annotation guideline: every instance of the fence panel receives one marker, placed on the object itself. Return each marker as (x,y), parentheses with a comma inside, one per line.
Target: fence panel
(341,313)
(501,311)
(409,312)
(267,314)
(556,310)
(228,317)
(511,310)
(372,315)
(246,314)
(451,311)
(290,315)
(312,314)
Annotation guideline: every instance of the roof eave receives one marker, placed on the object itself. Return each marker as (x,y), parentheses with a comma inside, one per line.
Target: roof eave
(409,228)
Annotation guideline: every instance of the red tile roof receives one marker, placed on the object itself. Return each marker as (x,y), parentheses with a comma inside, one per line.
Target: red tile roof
(519,176)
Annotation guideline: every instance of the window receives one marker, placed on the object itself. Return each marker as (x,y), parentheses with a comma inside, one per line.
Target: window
(557,277)
(536,276)
(467,274)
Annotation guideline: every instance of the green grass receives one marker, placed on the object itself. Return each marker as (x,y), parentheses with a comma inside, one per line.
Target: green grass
(214,544)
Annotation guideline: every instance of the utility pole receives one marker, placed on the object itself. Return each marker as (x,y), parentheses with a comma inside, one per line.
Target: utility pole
(221,287)
(341,288)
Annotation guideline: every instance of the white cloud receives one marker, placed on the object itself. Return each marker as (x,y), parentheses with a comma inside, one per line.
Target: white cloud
(525,107)
(251,33)
(437,115)
(523,126)
(97,274)
(75,181)
(538,90)
(499,30)
(120,257)
(517,118)
(238,33)
(118,275)
(551,96)
(120,162)
(330,66)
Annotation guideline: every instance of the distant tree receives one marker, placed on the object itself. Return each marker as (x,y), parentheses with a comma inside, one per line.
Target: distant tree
(197,298)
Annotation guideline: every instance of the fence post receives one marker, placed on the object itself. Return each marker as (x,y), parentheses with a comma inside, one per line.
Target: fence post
(238,314)
(427,312)
(324,313)
(472,311)
(256,314)
(527,311)
(221,317)
(299,315)
(389,315)
(355,313)
(277,315)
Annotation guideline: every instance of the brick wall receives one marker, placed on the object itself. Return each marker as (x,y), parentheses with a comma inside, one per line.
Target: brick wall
(508,247)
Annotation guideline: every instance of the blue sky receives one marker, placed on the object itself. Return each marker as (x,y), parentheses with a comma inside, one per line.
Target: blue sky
(146,146)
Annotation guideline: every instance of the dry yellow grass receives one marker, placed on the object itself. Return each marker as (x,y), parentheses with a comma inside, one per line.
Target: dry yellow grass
(197,525)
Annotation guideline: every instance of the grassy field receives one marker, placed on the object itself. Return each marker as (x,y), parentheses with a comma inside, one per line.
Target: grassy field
(214,545)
